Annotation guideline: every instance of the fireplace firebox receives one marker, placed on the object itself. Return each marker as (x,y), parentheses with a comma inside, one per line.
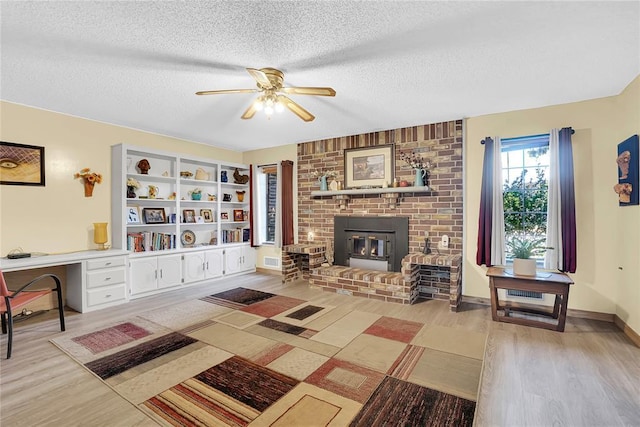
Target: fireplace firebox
(371,243)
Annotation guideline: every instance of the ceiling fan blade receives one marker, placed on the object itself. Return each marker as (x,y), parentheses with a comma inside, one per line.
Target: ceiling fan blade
(251,111)
(296,109)
(318,91)
(260,77)
(217,92)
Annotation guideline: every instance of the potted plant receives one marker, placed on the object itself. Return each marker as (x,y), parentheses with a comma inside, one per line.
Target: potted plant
(523,247)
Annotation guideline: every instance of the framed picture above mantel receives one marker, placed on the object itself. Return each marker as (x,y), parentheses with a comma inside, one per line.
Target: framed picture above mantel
(369,166)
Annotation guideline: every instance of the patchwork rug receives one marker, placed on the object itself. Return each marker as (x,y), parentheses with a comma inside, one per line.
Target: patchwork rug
(244,357)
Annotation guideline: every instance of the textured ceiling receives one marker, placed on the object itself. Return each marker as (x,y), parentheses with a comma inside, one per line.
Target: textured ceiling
(392,64)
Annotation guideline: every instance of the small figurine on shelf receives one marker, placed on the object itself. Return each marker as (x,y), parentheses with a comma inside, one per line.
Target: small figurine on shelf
(153,191)
(211,197)
(239,178)
(144,166)
(240,195)
(223,176)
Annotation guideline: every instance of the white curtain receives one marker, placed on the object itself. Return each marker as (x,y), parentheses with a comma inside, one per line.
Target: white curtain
(553,257)
(498,255)
(278,233)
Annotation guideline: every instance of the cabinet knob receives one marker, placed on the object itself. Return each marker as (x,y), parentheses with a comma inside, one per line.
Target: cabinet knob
(106,279)
(107,263)
(107,296)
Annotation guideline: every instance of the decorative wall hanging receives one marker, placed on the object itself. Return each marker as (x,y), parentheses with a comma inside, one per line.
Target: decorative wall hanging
(628,185)
(89,179)
(369,166)
(21,164)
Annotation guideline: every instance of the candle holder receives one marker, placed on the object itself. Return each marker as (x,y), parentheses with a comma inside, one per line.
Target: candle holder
(100,235)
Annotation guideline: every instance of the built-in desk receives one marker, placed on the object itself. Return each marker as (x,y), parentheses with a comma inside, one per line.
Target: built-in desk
(95,279)
(545,282)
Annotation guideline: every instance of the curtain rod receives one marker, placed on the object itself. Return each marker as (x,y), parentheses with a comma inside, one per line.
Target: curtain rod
(268,164)
(531,136)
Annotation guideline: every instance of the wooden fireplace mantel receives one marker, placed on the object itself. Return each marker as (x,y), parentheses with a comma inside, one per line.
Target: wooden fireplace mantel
(391,194)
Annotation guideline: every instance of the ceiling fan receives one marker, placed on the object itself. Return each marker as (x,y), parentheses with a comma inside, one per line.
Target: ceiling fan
(269,82)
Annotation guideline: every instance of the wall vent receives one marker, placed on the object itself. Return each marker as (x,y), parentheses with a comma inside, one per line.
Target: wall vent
(270,261)
(524,294)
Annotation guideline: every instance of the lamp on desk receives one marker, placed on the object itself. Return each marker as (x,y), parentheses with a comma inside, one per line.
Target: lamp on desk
(100,235)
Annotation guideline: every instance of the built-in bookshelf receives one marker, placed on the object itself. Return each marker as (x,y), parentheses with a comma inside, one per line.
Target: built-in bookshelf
(175,202)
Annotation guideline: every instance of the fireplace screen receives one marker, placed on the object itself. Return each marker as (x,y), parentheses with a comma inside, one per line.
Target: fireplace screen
(370,250)
(371,243)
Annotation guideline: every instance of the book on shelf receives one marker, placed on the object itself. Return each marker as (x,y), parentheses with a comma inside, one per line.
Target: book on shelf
(145,241)
(236,235)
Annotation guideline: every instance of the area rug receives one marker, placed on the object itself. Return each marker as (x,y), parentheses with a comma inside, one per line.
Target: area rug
(245,357)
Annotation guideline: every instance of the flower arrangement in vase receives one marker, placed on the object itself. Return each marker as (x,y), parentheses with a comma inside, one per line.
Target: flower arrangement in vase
(196,194)
(322,176)
(132,186)
(90,179)
(419,164)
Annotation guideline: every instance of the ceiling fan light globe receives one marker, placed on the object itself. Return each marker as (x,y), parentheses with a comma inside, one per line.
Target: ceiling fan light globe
(268,110)
(258,105)
(279,107)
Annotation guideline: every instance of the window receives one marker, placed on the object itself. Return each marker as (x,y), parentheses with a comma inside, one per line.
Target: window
(525,172)
(266,189)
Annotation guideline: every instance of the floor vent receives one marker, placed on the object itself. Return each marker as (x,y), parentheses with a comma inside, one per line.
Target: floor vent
(270,261)
(524,294)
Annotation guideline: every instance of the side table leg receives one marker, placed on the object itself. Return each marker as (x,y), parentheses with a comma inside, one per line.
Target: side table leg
(563,310)
(494,300)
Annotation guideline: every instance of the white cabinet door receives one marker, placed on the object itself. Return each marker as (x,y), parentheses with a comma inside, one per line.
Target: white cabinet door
(169,270)
(248,258)
(214,263)
(193,267)
(143,275)
(233,260)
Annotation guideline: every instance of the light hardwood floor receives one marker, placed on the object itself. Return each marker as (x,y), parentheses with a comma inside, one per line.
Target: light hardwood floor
(587,376)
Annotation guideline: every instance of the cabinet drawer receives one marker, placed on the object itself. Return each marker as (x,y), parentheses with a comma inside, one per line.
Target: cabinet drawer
(106,295)
(111,276)
(116,261)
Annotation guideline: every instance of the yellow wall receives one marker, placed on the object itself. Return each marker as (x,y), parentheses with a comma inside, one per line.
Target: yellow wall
(57,217)
(607,235)
(268,156)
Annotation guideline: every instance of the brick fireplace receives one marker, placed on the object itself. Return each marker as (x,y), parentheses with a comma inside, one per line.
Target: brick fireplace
(437,212)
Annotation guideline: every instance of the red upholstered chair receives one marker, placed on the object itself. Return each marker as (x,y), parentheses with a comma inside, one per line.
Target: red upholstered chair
(13,300)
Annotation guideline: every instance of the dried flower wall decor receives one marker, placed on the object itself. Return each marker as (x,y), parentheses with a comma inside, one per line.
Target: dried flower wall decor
(89,179)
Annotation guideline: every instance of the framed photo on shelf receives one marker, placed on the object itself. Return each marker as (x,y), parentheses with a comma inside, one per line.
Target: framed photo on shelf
(154,215)
(207,215)
(368,166)
(189,215)
(21,164)
(237,215)
(133,215)
(224,216)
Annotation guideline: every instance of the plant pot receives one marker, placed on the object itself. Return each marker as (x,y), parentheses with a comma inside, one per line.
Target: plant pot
(524,267)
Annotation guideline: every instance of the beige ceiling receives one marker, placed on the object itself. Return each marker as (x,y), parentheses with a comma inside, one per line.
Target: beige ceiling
(393,64)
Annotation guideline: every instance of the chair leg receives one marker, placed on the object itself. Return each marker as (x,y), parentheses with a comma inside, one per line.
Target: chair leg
(4,322)
(10,329)
(60,307)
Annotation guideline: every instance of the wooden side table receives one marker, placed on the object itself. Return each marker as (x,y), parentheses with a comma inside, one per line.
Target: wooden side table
(546,283)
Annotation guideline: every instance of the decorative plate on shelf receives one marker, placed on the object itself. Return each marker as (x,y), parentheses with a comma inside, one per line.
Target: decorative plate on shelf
(188,237)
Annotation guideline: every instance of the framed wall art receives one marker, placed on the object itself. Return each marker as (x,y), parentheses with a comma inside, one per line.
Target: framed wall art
(237,215)
(628,186)
(189,215)
(369,166)
(133,215)
(21,164)
(154,215)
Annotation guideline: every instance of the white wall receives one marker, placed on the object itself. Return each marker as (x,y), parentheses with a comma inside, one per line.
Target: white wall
(607,236)
(57,217)
(269,156)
